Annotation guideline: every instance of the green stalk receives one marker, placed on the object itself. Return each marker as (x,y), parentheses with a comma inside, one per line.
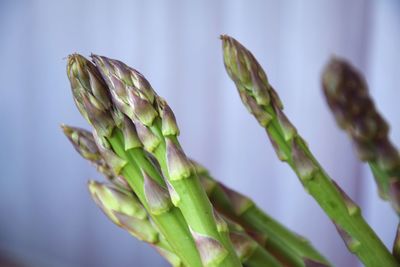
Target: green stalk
(125,210)
(93,101)
(288,247)
(347,96)
(189,194)
(168,219)
(263,102)
(156,127)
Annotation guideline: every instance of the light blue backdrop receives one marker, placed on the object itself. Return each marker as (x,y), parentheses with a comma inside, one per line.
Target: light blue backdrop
(47,217)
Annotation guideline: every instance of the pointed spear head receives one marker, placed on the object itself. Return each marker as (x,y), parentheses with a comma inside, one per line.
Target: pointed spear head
(347,95)
(90,93)
(130,91)
(83,142)
(245,70)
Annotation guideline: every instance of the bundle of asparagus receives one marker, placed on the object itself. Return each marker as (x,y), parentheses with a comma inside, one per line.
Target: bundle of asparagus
(164,198)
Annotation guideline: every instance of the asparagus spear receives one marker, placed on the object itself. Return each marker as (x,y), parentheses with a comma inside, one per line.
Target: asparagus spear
(93,101)
(263,102)
(287,246)
(347,96)
(125,210)
(157,129)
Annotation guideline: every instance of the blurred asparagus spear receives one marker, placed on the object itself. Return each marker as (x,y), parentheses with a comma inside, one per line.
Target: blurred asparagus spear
(263,102)
(157,129)
(92,98)
(347,95)
(125,210)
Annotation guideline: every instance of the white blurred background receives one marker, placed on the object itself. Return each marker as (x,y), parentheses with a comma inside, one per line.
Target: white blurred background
(46,215)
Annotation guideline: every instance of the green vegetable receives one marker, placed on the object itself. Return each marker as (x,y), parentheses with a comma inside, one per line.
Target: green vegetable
(347,96)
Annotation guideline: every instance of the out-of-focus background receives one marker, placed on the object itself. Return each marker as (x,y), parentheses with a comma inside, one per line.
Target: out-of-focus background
(46,215)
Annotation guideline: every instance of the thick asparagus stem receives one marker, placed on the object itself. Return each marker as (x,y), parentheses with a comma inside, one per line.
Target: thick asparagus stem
(263,102)
(288,247)
(157,129)
(347,96)
(92,98)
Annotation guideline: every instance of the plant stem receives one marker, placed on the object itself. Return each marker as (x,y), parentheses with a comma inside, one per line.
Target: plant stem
(194,204)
